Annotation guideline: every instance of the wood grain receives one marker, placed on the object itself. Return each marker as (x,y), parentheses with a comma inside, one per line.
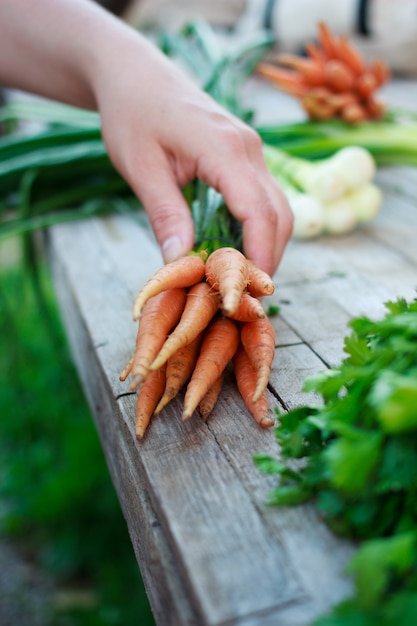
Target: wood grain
(210,550)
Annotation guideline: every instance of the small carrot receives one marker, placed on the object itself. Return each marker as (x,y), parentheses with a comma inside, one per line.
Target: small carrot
(208,402)
(381,71)
(227,272)
(327,42)
(287,80)
(315,53)
(310,70)
(339,100)
(365,85)
(160,314)
(219,344)
(317,107)
(353,59)
(353,113)
(184,272)
(249,309)
(258,340)
(148,397)
(179,368)
(260,283)
(338,76)
(246,384)
(374,109)
(201,304)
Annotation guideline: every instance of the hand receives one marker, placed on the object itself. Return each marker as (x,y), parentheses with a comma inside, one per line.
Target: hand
(162,131)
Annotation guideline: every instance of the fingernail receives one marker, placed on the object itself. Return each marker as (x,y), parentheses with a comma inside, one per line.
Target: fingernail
(172,248)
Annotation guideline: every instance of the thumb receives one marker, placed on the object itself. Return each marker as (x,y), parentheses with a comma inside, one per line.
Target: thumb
(169,214)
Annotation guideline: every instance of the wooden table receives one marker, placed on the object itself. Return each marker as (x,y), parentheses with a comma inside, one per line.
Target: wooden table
(210,551)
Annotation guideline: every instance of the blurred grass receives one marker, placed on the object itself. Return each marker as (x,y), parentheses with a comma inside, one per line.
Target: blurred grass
(65,518)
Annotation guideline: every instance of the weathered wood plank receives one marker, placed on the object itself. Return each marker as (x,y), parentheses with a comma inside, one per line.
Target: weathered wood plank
(213,523)
(210,551)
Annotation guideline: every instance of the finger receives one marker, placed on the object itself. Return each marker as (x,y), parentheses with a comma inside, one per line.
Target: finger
(168,212)
(259,204)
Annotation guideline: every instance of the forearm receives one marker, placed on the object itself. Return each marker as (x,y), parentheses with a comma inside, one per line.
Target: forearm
(56,48)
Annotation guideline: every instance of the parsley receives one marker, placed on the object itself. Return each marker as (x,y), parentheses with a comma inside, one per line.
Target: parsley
(359,451)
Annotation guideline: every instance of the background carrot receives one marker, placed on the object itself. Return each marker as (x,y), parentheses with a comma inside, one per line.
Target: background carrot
(201,304)
(246,383)
(148,397)
(350,56)
(328,43)
(217,349)
(258,340)
(160,314)
(183,272)
(260,283)
(249,309)
(288,80)
(179,368)
(310,70)
(208,402)
(227,272)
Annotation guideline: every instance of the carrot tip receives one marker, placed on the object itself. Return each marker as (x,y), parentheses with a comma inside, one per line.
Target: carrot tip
(267,422)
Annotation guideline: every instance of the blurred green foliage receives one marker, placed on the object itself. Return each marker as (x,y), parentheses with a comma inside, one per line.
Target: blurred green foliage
(57,500)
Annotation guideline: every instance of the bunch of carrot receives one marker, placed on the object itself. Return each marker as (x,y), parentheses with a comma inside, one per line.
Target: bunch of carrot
(332,80)
(196,316)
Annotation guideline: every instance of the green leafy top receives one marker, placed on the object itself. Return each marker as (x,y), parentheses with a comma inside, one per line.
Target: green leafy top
(359,451)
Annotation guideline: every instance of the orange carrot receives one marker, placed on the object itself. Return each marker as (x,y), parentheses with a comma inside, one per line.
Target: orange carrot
(338,76)
(310,70)
(327,42)
(148,397)
(374,109)
(184,272)
(258,340)
(208,402)
(380,71)
(260,283)
(287,80)
(350,56)
(249,309)
(200,306)
(160,314)
(339,100)
(366,84)
(227,272)
(353,113)
(317,105)
(246,383)
(179,368)
(315,53)
(220,342)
